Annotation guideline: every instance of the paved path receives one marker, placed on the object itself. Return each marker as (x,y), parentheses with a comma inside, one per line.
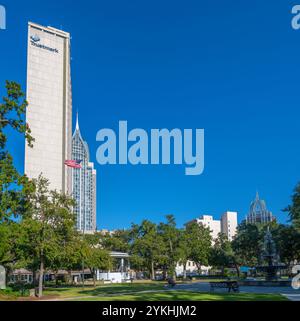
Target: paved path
(293,297)
(205,287)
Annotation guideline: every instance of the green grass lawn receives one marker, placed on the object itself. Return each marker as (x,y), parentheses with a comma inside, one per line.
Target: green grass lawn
(154,292)
(103,289)
(189,296)
(150,291)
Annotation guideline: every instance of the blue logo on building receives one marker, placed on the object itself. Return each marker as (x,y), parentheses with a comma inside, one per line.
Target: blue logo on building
(35,41)
(2,18)
(35,38)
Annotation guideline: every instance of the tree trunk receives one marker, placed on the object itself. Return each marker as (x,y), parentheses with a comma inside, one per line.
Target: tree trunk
(184,270)
(152,271)
(83,274)
(164,272)
(94,277)
(55,278)
(174,274)
(34,281)
(41,277)
(70,281)
(237,270)
(222,271)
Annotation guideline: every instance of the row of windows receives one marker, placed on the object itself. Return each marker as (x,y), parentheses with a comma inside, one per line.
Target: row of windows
(83,186)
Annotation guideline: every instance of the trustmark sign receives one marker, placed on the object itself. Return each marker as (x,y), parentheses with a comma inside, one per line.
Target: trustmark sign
(35,41)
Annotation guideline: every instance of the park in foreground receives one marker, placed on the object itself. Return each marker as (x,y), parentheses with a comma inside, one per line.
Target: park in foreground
(139,292)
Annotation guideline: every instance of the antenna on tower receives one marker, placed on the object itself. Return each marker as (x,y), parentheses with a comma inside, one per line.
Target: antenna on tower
(257,195)
(77,122)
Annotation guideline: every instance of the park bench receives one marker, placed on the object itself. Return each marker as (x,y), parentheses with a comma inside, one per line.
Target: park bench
(230,285)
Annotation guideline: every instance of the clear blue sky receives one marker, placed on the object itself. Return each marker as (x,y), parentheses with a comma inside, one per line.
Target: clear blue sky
(230,67)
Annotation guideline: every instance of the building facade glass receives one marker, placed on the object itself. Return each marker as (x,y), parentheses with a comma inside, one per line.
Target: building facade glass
(84,185)
(258,212)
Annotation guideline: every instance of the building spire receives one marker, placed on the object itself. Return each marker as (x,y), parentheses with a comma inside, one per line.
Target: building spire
(257,196)
(77,130)
(77,122)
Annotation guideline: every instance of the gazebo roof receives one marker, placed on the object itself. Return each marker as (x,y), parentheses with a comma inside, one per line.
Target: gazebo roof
(119,254)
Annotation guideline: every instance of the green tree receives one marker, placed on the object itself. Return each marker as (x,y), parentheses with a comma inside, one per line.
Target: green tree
(12,111)
(171,239)
(222,255)
(65,256)
(94,256)
(184,249)
(12,193)
(118,240)
(147,246)
(199,240)
(11,256)
(247,244)
(287,240)
(46,225)
(294,208)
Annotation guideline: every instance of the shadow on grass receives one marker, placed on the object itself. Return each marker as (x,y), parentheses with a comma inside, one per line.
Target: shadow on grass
(89,290)
(120,288)
(193,296)
(135,292)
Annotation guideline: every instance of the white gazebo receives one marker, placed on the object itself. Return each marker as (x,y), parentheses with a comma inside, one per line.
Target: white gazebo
(120,272)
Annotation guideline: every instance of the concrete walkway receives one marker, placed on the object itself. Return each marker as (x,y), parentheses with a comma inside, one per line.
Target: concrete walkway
(293,297)
(289,292)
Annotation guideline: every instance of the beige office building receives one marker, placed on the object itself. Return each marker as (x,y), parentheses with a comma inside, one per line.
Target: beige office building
(49,114)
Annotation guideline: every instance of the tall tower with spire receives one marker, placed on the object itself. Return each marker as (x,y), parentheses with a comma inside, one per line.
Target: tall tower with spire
(258,212)
(83,184)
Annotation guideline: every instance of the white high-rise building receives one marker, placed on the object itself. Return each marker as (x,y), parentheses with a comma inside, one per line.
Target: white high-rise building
(229,224)
(84,184)
(49,114)
(213,225)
